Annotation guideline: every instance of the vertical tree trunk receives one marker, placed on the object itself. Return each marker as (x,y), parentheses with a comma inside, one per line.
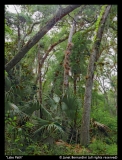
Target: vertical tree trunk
(68,52)
(89,80)
(75,82)
(40,81)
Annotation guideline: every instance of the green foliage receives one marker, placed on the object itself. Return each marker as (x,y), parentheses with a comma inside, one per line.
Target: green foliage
(30,107)
(70,106)
(103,116)
(7,82)
(6,74)
(100,148)
(33,149)
(111,149)
(8,29)
(98,21)
(25,132)
(59,150)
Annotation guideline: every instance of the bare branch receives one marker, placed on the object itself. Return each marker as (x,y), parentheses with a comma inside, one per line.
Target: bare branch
(16,10)
(32,27)
(92,21)
(29,31)
(73,18)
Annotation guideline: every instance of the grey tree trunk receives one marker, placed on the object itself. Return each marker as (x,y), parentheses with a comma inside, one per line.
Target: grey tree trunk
(59,15)
(84,140)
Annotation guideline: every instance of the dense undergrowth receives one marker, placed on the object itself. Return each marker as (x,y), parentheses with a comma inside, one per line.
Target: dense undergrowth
(20,139)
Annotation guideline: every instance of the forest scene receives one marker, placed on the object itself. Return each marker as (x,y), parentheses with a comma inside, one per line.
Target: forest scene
(60,79)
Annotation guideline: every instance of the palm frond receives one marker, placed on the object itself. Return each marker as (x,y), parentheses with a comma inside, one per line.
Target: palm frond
(13,110)
(52,102)
(46,113)
(30,107)
(70,105)
(11,107)
(52,129)
(40,122)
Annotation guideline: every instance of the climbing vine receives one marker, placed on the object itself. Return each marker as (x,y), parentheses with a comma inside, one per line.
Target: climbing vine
(97,24)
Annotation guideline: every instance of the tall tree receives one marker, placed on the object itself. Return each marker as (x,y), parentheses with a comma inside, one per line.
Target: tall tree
(90,74)
(68,52)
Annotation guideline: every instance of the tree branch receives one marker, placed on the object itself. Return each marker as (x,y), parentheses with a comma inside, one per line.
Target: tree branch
(18,27)
(22,41)
(59,15)
(51,48)
(31,28)
(92,21)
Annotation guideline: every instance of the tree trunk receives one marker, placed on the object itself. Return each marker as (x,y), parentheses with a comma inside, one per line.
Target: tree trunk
(40,81)
(89,80)
(59,15)
(48,51)
(75,82)
(68,52)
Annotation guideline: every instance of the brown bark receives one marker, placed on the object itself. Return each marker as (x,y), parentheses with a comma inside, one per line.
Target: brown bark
(48,51)
(59,15)
(89,81)
(40,81)
(68,52)
(51,48)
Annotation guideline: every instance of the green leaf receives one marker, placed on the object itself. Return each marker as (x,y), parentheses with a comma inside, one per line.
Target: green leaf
(15,118)
(6,74)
